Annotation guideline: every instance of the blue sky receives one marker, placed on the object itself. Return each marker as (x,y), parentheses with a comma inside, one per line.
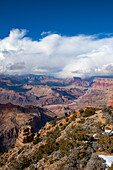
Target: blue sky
(65,17)
(62,38)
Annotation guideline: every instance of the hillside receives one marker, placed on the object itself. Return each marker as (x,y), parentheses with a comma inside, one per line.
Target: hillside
(73,142)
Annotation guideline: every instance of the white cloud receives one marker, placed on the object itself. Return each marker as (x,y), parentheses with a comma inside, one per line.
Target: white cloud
(56,55)
(1,56)
(46,33)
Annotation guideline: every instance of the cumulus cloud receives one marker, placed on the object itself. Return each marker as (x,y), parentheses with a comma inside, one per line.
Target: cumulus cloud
(56,55)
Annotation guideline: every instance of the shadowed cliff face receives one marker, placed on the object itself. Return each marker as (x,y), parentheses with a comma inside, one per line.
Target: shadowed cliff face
(12,117)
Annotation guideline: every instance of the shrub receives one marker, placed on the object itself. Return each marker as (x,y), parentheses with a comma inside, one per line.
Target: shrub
(53,122)
(81,110)
(25,162)
(81,121)
(60,124)
(77,135)
(106,143)
(46,149)
(20,150)
(50,146)
(64,147)
(107,122)
(63,127)
(99,127)
(39,154)
(73,118)
(52,135)
(67,119)
(51,160)
(107,109)
(37,139)
(79,153)
(89,111)
(32,167)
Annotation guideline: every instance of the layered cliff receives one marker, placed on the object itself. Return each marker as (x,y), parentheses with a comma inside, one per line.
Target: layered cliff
(103,83)
(12,117)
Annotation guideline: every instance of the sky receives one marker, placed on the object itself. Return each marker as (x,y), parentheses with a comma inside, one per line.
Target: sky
(62,38)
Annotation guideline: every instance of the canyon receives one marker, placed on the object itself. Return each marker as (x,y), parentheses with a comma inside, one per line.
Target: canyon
(35,100)
(56,94)
(12,117)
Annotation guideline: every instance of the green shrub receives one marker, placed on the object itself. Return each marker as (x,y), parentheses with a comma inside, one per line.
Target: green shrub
(52,135)
(50,146)
(46,149)
(89,111)
(81,110)
(106,143)
(77,135)
(25,162)
(65,147)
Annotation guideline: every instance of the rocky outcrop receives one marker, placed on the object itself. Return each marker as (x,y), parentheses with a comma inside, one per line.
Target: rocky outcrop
(25,134)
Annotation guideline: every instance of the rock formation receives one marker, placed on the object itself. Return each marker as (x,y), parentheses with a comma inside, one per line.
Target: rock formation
(25,134)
